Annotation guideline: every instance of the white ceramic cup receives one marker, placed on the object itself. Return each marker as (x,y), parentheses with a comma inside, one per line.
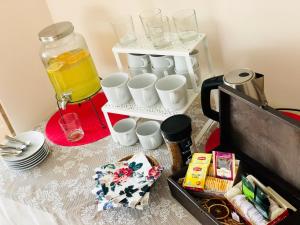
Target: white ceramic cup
(115,88)
(172,92)
(161,61)
(124,132)
(134,71)
(149,134)
(162,72)
(142,89)
(180,61)
(188,78)
(137,60)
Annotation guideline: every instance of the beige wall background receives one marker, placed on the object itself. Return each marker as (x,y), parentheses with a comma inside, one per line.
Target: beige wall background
(262,35)
(25,92)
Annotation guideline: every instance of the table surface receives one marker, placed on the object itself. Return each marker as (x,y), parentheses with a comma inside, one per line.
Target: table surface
(62,184)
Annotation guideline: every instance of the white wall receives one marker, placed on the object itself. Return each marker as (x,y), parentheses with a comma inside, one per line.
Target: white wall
(262,35)
(25,91)
(91,18)
(265,36)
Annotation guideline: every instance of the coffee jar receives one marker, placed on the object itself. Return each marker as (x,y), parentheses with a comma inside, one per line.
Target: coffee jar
(177,133)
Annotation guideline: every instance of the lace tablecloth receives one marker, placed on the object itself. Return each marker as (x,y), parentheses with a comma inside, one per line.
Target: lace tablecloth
(62,184)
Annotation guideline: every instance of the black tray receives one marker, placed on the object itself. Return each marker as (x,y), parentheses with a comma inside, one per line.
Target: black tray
(267,144)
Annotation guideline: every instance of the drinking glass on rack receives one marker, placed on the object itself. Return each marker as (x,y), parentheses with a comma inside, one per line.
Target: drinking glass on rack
(147,16)
(156,31)
(167,29)
(71,126)
(186,25)
(124,30)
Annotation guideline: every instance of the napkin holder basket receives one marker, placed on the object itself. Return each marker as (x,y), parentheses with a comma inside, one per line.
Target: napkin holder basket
(266,142)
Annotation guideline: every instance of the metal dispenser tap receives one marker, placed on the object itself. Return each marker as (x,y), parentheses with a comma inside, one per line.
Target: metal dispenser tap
(64,99)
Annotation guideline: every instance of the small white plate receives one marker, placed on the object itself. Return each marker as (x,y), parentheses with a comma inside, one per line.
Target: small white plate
(30,163)
(43,157)
(29,160)
(36,139)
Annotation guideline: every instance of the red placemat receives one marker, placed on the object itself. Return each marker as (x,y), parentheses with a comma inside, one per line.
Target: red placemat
(88,119)
(292,115)
(214,139)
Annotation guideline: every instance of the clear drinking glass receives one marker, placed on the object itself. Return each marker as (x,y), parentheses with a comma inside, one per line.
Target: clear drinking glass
(186,25)
(146,16)
(70,124)
(155,28)
(167,29)
(124,30)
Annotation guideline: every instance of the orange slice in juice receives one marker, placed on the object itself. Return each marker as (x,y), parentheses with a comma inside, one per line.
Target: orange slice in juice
(75,57)
(55,66)
(63,57)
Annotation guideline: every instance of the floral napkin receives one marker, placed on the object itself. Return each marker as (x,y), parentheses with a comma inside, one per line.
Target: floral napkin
(126,183)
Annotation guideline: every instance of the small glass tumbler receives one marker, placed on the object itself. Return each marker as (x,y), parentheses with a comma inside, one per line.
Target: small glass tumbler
(71,126)
(124,30)
(147,16)
(157,30)
(186,25)
(167,29)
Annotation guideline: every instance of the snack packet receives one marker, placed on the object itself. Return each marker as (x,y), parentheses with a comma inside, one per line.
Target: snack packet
(224,165)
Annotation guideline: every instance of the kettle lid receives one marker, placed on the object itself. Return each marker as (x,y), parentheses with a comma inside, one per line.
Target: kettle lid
(239,76)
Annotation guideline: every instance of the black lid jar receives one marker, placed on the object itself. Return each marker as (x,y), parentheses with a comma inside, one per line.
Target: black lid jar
(177,132)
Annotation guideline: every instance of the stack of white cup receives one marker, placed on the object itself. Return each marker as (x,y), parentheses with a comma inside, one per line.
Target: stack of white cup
(127,132)
(181,67)
(146,90)
(162,65)
(138,64)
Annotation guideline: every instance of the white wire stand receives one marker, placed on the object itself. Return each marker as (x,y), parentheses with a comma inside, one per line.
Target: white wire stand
(158,112)
(144,46)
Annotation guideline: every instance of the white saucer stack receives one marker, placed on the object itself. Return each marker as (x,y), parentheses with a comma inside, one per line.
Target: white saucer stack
(33,155)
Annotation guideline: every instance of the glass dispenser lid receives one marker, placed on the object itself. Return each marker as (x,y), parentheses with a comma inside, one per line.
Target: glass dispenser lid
(56,31)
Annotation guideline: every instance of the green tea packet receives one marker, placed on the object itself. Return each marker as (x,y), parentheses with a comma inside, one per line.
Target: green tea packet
(257,196)
(248,188)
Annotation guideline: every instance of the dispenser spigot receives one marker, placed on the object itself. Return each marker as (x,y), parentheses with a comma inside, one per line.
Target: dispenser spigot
(64,99)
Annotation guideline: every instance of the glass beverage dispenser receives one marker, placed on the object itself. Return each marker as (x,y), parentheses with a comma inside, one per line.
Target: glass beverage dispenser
(68,63)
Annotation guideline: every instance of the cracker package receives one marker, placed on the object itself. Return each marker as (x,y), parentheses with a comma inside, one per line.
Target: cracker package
(224,165)
(195,177)
(218,185)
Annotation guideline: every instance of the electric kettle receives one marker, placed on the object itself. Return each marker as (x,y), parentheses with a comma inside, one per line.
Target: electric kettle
(244,80)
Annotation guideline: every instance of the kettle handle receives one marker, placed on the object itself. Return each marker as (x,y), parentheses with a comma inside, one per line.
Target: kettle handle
(207,86)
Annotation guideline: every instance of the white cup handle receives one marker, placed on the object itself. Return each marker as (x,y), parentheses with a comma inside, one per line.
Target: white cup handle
(174,97)
(171,62)
(114,136)
(194,61)
(145,62)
